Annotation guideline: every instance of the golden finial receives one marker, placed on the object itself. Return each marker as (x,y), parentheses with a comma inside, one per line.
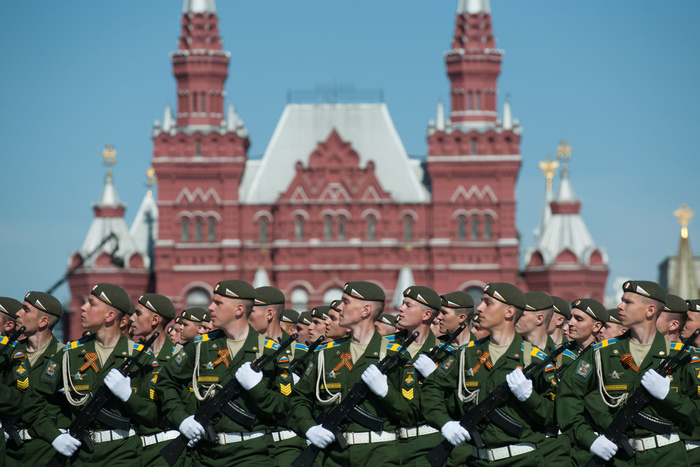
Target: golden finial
(152,180)
(684,214)
(549,170)
(564,154)
(109,155)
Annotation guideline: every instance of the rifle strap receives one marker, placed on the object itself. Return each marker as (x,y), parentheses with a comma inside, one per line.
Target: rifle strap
(465,394)
(614,401)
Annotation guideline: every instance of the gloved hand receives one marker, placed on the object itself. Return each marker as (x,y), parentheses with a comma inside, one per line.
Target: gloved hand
(319,436)
(519,385)
(65,444)
(603,448)
(247,376)
(424,365)
(657,385)
(455,433)
(192,429)
(295,377)
(376,381)
(7,437)
(119,384)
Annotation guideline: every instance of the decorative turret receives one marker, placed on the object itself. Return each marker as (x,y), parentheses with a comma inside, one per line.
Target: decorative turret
(683,274)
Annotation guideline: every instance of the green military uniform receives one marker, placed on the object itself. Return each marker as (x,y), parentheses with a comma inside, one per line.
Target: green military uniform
(449,398)
(333,382)
(8,394)
(607,368)
(206,363)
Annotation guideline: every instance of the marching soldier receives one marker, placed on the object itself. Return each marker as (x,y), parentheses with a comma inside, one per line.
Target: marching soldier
(288,320)
(612,327)
(385,324)
(692,321)
(466,380)
(587,319)
(8,313)
(192,323)
(457,308)
(562,314)
(672,319)
(334,331)
(302,327)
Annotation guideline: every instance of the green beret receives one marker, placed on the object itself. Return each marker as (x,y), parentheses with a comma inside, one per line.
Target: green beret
(196,314)
(387,318)
(159,304)
(424,295)
(613,316)
(112,295)
(561,306)
(538,301)
(506,293)
(675,304)
(290,316)
(646,289)
(304,318)
(694,305)
(320,311)
(457,299)
(335,304)
(267,295)
(45,302)
(10,306)
(592,308)
(364,291)
(235,289)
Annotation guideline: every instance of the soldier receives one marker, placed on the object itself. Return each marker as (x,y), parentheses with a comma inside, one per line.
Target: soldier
(209,362)
(39,313)
(385,324)
(334,331)
(192,322)
(302,327)
(125,323)
(477,331)
(78,372)
(465,380)
(612,327)
(340,365)
(317,328)
(692,321)
(587,319)
(671,321)
(457,308)
(604,377)
(288,320)
(173,334)
(8,312)
(692,441)
(560,319)
(267,313)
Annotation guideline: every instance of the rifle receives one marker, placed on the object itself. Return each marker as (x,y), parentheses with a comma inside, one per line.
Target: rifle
(490,408)
(349,408)
(8,424)
(221,403)
(80,427)
(298,362)
(632,412)
(438,350)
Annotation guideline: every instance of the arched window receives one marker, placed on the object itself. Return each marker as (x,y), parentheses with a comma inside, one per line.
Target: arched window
(478,100)
(475,228)
(328,228)
(476,294)
(407,228)
(341,228)
(461,228)
(198,230)
(299,228)
(211,238)
(487,228)
(474,147)
(332,294)
(194,102)
(185,235)
(198,148)
(470,101)
(198,297)
(370,227)
(300,299)
(204,100)
(263,230)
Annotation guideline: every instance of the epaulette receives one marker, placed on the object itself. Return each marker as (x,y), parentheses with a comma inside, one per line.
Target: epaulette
(207,337)
(390,337)
(78,343)
(449,348)
(137,347)
(271,344)
(534,351)
(330,345)
(300,346)
(393,347)
(604,343)
(570,354)
(5,340)
(476,342)
(677,346)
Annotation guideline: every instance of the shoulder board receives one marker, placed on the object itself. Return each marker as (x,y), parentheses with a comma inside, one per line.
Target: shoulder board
(5,340)
(537,353)
(78,343)
(449,348)
(300,346)
(271,344)
(207,337)
(138,347)
(330,345)
(390,337)
(604,343)
(476,342)
(677,346)
(570,354)
(393,347)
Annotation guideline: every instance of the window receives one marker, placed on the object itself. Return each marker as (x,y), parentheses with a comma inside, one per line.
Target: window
(300,299)
(328,228)
(341,228)
(332,294)
(487,228)
(263,230)
(407,229)
(470,101)
(198,148)
(198,230)
(198,297)
(478,100)
(461,228)
(299,228)
(370,227)
(194,102)
(204,100)
(211,238)
(185,236)
(474,147)
(475,228)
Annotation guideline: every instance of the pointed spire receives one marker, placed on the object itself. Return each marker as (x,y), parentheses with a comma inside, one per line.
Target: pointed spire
(685,283)
(405,281)
(549,170)
(507,115)
(109,197)
(199,6)
(473,6)
(261,278)
(168,119)
(440,117)
(144,230)
(232,118)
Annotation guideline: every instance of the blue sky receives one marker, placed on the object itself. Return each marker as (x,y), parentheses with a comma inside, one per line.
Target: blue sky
(618,80)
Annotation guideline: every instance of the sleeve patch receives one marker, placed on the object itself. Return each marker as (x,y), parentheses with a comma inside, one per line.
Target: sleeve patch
(51,368)
(448,363)
(181,357)
(583,369)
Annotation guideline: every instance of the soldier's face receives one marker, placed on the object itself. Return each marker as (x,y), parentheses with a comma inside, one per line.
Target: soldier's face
(334,330)
(189,330)
(527,322)
(28,316)
(411,314)
(492,312)
(447,319)
(383,328)
(93,313)
(350,310)
(142,321)
(222,310)
(258,319)
(691,324)
(303,331)
(632,309)
(581,326)
(610,331)
(316,328)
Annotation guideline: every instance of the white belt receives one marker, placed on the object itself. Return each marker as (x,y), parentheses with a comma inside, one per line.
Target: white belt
(416,431)
(690,445)
(652,442)
(105,436)
(282,435)
(365,437)
(230,438)
(504,452)
(148,440)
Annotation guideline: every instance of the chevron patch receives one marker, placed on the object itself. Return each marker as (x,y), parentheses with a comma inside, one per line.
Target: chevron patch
(452,304)
(385,320)
(529,308)
(355,293)
(421,299)
(230,293)
(2,308)
(104,297)
(642,291)
(150,306)
(286,389)
(23,384)
(39,305)
(407,393)
(498,296)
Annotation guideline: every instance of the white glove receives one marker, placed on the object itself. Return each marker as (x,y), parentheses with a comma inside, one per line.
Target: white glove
(657,385)
(424,365)
(247,376)
(603,448)
(455,433)
(192,429)
(7,437)
(376,381)
(119,384)
(65,444)
(519,385)
(319,436)
(295,378)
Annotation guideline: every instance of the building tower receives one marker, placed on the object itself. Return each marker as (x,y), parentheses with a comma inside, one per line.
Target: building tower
(473,163)
(199,156)
(679,274)
(565,260)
